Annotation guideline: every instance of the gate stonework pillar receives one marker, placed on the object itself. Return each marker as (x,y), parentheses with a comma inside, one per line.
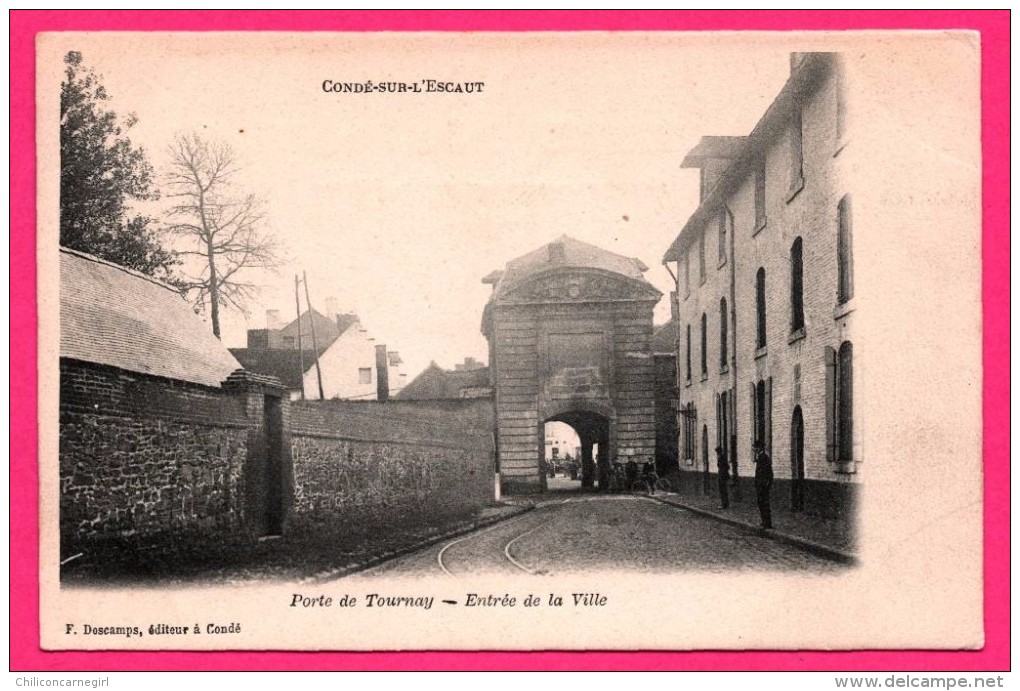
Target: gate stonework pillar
(268,469)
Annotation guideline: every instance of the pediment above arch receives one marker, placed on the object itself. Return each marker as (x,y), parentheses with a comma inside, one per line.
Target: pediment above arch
(580,286)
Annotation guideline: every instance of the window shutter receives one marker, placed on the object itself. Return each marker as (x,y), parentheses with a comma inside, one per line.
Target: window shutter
(768,414)
(718,420)
(754,417)
(844,409)
(830,404)
(686,432)
(732,430)
(694,439)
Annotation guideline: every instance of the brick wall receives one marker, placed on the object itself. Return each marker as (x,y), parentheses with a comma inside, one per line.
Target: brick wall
(151,466)
(144,456)
(164,469)
(358,464)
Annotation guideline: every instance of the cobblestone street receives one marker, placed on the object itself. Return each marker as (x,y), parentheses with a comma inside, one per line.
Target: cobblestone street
(581,534)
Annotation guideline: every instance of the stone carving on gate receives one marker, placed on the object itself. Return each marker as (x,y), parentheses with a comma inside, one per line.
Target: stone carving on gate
(573,288)
(573,382)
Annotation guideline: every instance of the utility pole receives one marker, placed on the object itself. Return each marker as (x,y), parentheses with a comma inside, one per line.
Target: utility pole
(315,346)
(301,352)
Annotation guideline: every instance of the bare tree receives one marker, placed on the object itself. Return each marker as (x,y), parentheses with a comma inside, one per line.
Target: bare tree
(224,228)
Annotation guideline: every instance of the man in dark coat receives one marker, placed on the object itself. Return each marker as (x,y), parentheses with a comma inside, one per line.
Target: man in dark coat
(632,473)
(724,477)
(763,483)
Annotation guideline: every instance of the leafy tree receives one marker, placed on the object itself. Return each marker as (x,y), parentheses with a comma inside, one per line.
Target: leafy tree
(223,227)
(101,172)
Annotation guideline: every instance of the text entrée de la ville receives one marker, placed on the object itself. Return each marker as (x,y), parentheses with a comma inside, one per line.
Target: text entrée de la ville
(479,601)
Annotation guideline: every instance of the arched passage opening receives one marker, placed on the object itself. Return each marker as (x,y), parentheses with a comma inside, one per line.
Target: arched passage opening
(562,456)
(797,460)
(591,430)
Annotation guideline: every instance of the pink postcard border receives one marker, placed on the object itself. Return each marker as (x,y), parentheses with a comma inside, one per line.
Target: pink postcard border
(25,654)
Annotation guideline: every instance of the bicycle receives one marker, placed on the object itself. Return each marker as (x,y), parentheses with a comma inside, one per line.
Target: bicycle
(650,483)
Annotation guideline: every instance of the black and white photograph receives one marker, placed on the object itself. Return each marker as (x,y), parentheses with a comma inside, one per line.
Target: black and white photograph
(510,341)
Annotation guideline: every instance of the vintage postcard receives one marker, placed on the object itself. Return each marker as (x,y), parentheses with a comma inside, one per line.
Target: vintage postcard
(491,341)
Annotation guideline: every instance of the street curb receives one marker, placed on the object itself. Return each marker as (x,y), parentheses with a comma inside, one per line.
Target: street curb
(815,548)
(402,551)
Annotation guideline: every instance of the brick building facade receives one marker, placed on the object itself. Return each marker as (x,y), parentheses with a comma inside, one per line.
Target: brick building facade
(764,275)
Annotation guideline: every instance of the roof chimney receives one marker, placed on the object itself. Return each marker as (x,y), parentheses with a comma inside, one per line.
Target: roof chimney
(556,253)
(382,374)
(331,308)
(272,319)
(346,321)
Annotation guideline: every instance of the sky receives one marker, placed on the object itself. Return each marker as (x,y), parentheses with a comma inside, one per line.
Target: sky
(398,204)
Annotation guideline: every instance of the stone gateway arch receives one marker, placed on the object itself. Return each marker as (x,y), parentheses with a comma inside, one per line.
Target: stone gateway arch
(569,327)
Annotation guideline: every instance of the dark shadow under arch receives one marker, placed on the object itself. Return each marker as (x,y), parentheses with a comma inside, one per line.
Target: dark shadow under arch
(593,423)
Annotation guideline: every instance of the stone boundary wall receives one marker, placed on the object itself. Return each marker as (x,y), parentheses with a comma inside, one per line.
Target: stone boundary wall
(142,456)
(159,469)
(360,466)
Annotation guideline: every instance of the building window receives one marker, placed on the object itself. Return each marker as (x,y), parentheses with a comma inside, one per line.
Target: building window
(844,249)
(844,403)
(796,153)
(761,412)
(759,196)
(760,304)
(797,285)
(839,410)
(701,257)
(364,375)
(704,345)
(841,124)
(690,424)
(688,353)
(723,317)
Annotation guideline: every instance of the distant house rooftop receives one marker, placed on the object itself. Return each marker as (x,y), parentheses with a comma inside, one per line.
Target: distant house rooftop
(436,383)
(664,338)
(326,330)
(284,364)
(275,352)
(114,316)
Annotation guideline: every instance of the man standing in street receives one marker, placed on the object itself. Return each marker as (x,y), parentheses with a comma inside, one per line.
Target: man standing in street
(724,477)
(763,483)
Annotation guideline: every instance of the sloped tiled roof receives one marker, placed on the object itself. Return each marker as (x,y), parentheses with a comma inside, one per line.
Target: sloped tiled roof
(713,147)
(436,383)
(114,316)
(326,330)
(566,252)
